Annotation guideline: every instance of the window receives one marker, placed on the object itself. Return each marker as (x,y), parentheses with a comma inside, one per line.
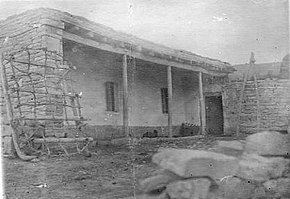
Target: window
(164,100)
(112,97)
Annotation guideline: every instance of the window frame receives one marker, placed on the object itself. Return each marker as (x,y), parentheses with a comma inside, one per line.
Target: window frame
(112,96)
(164,100)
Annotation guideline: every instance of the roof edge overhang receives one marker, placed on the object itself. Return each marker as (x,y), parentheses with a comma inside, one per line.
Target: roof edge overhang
(146,57)
(133,46)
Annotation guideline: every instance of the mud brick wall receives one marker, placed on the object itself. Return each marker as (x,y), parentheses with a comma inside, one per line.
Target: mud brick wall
(31,29)
(274,98)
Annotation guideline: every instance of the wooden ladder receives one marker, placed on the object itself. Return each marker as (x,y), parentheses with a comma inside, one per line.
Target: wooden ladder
(240,102)
(33,127)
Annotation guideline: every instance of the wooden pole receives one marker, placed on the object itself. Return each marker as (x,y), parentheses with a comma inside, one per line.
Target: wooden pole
(10,113)
(169,87)
(125,96)
(258,102)
(201,105)
(61,140)
(240,102)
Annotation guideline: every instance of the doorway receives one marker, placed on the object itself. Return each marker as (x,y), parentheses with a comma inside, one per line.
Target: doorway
(214,114)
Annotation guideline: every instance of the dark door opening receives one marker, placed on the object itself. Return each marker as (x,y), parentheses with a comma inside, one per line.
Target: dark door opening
(214,115)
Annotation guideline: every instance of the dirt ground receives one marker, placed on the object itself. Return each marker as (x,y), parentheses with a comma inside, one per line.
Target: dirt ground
(108,173)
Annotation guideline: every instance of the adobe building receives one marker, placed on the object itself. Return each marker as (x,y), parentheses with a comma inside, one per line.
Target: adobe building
(133,86)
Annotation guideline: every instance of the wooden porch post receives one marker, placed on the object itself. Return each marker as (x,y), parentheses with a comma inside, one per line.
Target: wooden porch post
(125,96)
(169,87)
(201,105)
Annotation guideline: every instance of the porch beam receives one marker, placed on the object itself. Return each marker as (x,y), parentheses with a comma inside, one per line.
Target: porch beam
(169,87)
(138,55)
(201,105)
(125,96)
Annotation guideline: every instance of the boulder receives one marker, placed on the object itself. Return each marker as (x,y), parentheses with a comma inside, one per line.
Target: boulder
(163,195)
(195,163)
(258,168)
(280,187)
(268,143)
(233,148)
(158,182)
(236,188)
(234,144)
(188,189)
(260,193)
(286,173)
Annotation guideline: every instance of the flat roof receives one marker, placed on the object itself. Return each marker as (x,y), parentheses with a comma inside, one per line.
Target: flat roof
(80,29)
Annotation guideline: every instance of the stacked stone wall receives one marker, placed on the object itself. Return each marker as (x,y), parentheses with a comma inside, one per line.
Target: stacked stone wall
(257,167)
(274,106)
(29,30)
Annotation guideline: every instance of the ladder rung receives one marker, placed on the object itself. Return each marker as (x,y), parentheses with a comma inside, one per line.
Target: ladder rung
(249,91)
(62,140)
(249,125)
(267,103)
(250,104)
(250,86)
(251,95)
(247,114)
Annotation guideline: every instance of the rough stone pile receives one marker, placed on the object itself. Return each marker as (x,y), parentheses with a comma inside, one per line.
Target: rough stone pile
(257,168)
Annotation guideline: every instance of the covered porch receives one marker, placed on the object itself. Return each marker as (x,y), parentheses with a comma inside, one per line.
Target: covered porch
(144,96)
(134,65)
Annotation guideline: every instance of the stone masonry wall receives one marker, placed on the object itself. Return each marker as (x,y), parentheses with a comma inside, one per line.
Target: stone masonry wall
(274,111)
(252,169)
(16,32)
(31,29)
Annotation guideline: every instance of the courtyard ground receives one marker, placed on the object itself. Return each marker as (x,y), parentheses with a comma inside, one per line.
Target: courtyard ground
(108,173)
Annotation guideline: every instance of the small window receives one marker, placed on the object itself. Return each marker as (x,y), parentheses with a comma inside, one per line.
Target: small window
(112,97)
(164,100)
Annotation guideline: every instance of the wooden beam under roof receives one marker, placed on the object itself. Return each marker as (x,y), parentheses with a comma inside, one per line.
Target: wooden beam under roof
(139,55)
(103,30)
(100,29)
(58,19)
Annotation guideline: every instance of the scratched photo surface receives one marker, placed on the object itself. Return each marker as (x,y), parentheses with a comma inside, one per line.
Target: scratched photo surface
(137,99)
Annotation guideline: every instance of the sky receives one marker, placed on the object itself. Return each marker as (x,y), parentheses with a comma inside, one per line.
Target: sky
(228,30)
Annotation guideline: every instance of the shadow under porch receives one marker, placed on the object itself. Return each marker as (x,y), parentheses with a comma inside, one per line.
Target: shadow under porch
(145,101)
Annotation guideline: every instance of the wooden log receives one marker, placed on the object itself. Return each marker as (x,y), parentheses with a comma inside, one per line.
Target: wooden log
(55,119)
(62,140)
(10,114)
(240,104)
(40,65)
(169,86)
(201,105)
(258,103)
(125,96)
(44,93)
(141,55)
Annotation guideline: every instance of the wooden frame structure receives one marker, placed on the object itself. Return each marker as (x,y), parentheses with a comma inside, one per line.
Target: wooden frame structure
(37,98)
(242,95)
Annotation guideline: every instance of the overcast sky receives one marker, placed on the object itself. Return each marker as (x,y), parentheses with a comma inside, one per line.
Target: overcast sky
(223,29)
